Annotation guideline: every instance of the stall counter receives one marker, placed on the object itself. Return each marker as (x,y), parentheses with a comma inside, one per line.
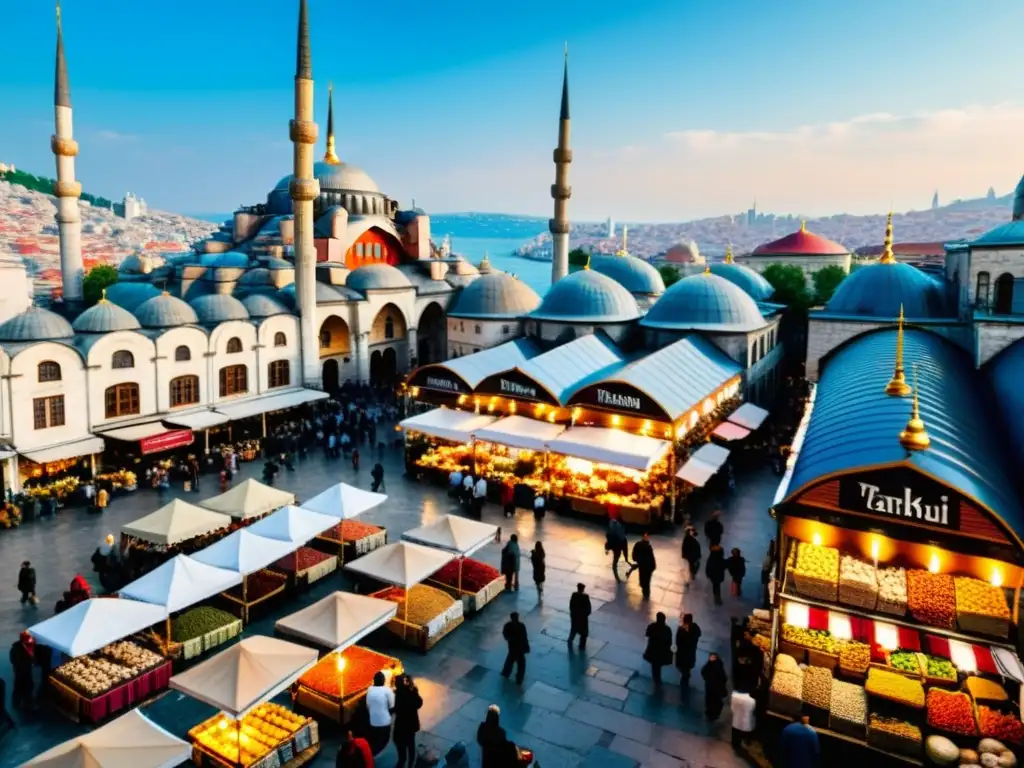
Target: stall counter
(270,736)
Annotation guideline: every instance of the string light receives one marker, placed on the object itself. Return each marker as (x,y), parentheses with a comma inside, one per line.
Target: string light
(816,539)
(933,564)
(997,577)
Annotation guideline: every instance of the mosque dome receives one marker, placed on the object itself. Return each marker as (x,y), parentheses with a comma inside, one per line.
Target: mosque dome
(705,302)
(336,177)
(218,308)
(105,317)
(36,324)
(801,243)
(325,294)
(131,295)
(371,277)
(235,259)
(635,275)
(260,305)
(587,296)
(255,276)
(682,253)
(495,295)
(750,280)
(165,311)
(878,290)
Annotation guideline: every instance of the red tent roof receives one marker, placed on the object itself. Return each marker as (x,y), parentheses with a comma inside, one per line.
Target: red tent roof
(801,243)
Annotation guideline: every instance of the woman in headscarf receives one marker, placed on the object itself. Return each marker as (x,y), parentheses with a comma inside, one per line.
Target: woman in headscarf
(659,646)
(715,681)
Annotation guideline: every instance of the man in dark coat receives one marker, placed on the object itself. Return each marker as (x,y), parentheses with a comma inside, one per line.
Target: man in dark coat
(659,646)
(27,583)
(715,570)
(616,543)
(798,745)
(579,616)
(715,680)
(713,529)
(515,635)
(22,657)
(407,720)
(692,552)
(687,637)
(643,557)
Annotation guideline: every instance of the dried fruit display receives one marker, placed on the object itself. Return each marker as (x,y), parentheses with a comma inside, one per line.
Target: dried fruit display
(848,709)
(198,622)
(245,741)
(985,690)
(892,591)
(786,693)
(981,607)
(351,530)
(134,657)
(938,668)
(854,656)
(895,687)
(354,675)
(815,639)
(302,559)
(951,712)
(424,604)
(786,663)
(817,690)
(996,725)
(815,571)
(258,586)
(905,661)
(475,575)
(858,583)
(894,735)
(931,598)
(92,677)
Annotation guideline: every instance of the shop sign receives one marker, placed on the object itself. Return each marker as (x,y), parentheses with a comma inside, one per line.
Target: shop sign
(514,389)
(622,398)
(904,497)
(604,397)
(436,382)
(516,385)
(176,438)
(435,378)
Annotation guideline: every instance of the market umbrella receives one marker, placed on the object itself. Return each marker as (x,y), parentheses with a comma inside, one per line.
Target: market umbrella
(94,623)
(181,582)
(293,524)
(344,501)
(130,741)
(176,522)
(454,534)
(244,552)
(402,564)
(250,498)
(339,620)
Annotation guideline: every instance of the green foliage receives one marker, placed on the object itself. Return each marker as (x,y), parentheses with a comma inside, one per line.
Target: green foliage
(826,280)
(790,286)
(96,279)
(669,274)
(578,257)
(45,185)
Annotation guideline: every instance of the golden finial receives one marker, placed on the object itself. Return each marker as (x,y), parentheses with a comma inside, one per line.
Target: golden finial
(103,296)
(728,254)
(914,436)
(486,263)
(803,225)
(624,250)
(887,256)
(587,264)
(330,156)
(897,386)
(707,269)
(166,293)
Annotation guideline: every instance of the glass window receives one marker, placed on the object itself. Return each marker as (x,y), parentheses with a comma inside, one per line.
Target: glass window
(49,371)
(376,250)
(234,345)
(389,328)
(184,391)
(981,299)
(122,359)
(182,354)
(280,340)
(279,374)
(476,329)
(359,250)
(48,411)
(121,400)
(505,330)
(234,380)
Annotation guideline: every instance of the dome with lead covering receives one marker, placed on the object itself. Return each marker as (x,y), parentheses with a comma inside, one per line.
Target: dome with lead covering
(635,275)
(36,324)
(750,280)
(376,277)
(261,305)
(495,295)
(165,311)
(587,296)
(705,302)
(879,290)
(219,308)
(105,317)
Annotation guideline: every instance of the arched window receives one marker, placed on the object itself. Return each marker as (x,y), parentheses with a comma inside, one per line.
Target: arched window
(504,330)
(49,371)
(1004,294)
(981,295)
(476,329)
(184,390)
(121,400)
(182,354)
(122,359)
(280,340)
(764,342)
(234,345)
(389,328)
(376,250)
(279,374)
(234,380)
(325,339)
(359,250)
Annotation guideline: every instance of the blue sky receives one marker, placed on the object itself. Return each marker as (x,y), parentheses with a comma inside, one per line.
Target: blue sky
(680,108)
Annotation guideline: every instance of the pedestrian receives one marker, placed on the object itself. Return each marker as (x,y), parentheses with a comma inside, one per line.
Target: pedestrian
(539,569)
(579,616)
(479,496)
(798,745)
(766,572)
(616,543)
(355,459)
(508,506)
(6,721)
(748,663)
(457,756)
(492,739)
(102,498)
(194,471)
(737,568)
(687,637)
(743,709)
(539,507)
(713,529)
(691,551)
(455,483)
(380,703)
(407,720)
(659,646)
(644,562)
(518,641)
(354,752)
(715,681)
(27,583)
(510,556)
(377,473)
(715,571)
(22,657)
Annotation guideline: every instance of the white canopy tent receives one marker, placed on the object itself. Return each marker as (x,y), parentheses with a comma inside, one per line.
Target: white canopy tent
(454,534)
(292,524)
(447,424)
(344,501)
(610,446)
(339,620)
(246,674)
(749,416)
(94,623)
(130,741)
(203,419)
(181,582)
(402,564)
(520,432)
(249,498)
(86,446)
(176,522)
(704,463)
(729,431)
(244,552)
(254,406)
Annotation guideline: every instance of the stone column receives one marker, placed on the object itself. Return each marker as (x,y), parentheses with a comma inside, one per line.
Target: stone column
(363,357)
(413,349)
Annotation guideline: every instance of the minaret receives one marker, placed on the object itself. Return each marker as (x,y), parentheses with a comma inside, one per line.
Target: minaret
(304,189)
(66,189)
(887,256)
(330,156)
(728,254)
(560,190)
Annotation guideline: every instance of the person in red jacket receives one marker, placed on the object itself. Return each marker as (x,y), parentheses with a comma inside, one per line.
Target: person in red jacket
(354,752)
(507,496)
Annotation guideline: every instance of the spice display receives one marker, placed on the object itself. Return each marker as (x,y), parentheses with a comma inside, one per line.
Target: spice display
(997,725)
(985,690)
(258,586)
(815,639)
(981,607)
(134,657)
(931,598)
(786,693)
(895,687)
(198,622)
(351,530)
(894,735)
(815,571)
(475,575)
(905,661)
(817,690)
(854,656)
(848,709)
(892,591)
(352,675)
(424,604)
(858,583)
(951,712)
(938,668)
(92,677)
(245,741)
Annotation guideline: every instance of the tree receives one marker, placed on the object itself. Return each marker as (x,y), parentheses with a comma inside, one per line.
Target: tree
(790,286)
(96,280)
(826,280)
(669,274)
(578,257)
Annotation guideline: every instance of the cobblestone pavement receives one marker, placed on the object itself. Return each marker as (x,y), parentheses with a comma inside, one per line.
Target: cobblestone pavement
(574,709)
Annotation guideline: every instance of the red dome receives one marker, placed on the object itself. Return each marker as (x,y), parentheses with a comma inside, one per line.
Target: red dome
(679,254)
(801,243)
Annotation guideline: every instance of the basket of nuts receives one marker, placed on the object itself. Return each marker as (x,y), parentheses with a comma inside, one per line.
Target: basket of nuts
(817,695)
(848,709)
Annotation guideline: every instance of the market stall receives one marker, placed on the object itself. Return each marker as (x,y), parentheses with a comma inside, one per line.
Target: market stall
(250,730)
(298,526)
(425,614)
(748,416)
(57,472)
(337,684)
(348,538)
(151,438)
(703,464)
(173,524)
(475,583)
(248,500)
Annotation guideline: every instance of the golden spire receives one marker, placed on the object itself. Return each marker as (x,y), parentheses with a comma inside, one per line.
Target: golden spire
(103,297)
(330,156)
(587,264)
(914,436)
(897,386)
(707,269)
(624,250)
(485,264)
(887,257)
(728,254)
(803,225)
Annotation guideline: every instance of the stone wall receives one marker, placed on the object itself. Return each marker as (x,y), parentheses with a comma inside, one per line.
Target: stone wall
(993,338)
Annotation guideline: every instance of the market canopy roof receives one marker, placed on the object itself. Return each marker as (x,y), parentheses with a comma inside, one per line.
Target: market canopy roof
(268,403)
(339,620)
(152,437)
(293,524)
(180,582)
(729,431)
(344,501)
(448,424)
(244,552)
(461,375)
(749,416)
(454,534)
(610,446)
(94,623)
(402,564)
(520,432)
(87,446)
(130,741)
(246,674)
(203,419)
(176,522)
(704,463)
(249,498)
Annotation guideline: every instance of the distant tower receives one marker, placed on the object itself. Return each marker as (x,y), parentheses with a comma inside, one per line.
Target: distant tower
(935,200)
(611,228)
(304,189)
(752,214)
(560,190)
(66,189)
(330,156)
(991,194)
